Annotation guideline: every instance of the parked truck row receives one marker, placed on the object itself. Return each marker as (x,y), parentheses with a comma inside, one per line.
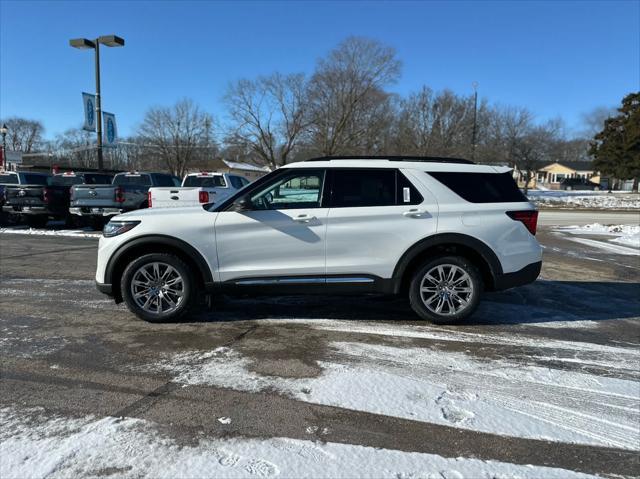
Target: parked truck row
(90,199)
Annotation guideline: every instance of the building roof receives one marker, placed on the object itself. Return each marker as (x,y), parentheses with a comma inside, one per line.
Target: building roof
(573,165)
(236,165)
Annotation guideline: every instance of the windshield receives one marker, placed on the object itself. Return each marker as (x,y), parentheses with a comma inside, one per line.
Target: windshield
(8,179)
(132,180)
(206,181)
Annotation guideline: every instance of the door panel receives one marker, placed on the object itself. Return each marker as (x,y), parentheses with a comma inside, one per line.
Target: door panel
(282,234)
(271,243)
(371,239)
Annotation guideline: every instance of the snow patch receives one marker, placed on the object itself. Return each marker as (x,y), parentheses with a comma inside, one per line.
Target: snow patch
(21,230)
(33,445)
(450,388)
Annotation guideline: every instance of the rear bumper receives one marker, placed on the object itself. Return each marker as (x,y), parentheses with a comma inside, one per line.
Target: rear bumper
(526,275)
(27,210)
(94,211)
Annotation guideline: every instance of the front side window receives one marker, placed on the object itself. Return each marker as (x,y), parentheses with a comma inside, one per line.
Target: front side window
(358,188)
(293,190)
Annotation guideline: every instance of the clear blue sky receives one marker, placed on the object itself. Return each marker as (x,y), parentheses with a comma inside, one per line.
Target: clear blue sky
(556,58)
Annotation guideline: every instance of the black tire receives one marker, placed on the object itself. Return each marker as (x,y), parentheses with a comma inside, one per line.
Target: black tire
(97,222)
(189,297)
(472,299)
(37,221)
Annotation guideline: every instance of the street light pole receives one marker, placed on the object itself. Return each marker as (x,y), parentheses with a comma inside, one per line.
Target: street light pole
(83,44)
(475,120)
(4,131)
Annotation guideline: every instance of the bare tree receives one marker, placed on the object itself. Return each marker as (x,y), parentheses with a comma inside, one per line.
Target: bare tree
(177,134)
(345,84)
(268,114)
(23,135)
(533,149)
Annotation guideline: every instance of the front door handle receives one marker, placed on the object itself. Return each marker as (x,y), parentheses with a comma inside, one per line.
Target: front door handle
(414,213)
(304,218)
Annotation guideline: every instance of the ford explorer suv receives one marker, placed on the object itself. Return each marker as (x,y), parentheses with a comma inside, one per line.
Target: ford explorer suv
(440,231)
(127,192)
(197,189)
(40,202)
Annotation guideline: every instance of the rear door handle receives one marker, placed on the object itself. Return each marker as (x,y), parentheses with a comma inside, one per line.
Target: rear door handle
(414,213)
(304,218)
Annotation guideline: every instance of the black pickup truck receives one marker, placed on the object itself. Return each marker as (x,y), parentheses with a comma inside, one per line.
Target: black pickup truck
(129,191)
(49,197)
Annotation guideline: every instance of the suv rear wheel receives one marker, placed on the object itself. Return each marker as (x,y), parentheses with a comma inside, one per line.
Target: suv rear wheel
(445,289)
(158,287)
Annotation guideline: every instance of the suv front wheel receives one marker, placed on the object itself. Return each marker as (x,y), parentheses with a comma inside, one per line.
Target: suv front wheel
(158,287)
(445,289)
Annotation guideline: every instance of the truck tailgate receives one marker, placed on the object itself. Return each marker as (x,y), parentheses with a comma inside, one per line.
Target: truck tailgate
(25,195)
(93,195)
(167,197)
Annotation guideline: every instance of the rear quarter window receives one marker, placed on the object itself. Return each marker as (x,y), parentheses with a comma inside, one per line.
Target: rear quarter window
(481,187)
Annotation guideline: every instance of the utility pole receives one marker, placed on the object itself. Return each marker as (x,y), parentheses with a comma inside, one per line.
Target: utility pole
(475,120)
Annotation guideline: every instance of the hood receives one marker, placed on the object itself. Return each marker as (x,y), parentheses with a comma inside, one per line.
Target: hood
(155,212)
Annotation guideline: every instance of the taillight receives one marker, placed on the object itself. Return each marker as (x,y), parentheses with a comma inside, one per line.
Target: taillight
(149,198)
(529,218)
(46,194)
(119,195)
(203,197)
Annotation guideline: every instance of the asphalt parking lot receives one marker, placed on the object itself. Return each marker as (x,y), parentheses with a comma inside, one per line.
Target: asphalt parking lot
(543,375)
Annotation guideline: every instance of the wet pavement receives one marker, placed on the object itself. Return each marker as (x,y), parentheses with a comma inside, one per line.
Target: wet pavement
(561,353)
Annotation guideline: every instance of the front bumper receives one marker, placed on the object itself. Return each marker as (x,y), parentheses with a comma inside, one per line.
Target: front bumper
(26,210)
(526,275)
(92,211)
(105,288)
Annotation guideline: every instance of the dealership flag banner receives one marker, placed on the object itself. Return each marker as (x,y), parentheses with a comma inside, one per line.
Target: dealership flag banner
(89,102)
(110,130)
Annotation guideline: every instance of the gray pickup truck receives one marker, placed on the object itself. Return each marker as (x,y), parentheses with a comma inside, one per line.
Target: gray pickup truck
(127,192)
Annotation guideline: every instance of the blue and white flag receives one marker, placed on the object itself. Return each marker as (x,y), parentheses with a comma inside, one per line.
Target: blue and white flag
(89,102)
(110,129)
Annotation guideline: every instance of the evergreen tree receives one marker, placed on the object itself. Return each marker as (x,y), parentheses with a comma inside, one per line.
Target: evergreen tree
(616,148)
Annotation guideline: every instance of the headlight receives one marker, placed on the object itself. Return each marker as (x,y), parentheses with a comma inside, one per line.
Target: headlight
(115,228)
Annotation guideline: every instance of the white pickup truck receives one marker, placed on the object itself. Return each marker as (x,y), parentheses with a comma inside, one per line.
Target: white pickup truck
(197,189)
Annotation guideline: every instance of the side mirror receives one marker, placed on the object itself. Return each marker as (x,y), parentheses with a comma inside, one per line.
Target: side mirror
(242,204)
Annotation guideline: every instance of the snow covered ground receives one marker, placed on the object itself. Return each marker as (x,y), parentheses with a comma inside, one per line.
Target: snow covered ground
(444,387)
(25,230)
(34,445)
(626,235)
(585,199)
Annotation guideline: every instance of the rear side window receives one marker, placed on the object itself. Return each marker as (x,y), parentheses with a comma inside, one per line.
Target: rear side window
(236,182)
(132,180)
(8,179)
(210,181)
(31,179)
(357,188)
(379,187)
(481,187)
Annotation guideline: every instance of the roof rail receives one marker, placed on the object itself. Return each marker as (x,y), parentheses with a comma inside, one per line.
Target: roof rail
(426,159)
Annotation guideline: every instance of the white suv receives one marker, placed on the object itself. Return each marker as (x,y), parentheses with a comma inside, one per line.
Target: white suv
(440,230)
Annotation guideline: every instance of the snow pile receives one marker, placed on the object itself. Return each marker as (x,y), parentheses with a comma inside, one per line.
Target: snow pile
(628,235)
(448,388)
(33,445)
(585,199)
(21,230)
